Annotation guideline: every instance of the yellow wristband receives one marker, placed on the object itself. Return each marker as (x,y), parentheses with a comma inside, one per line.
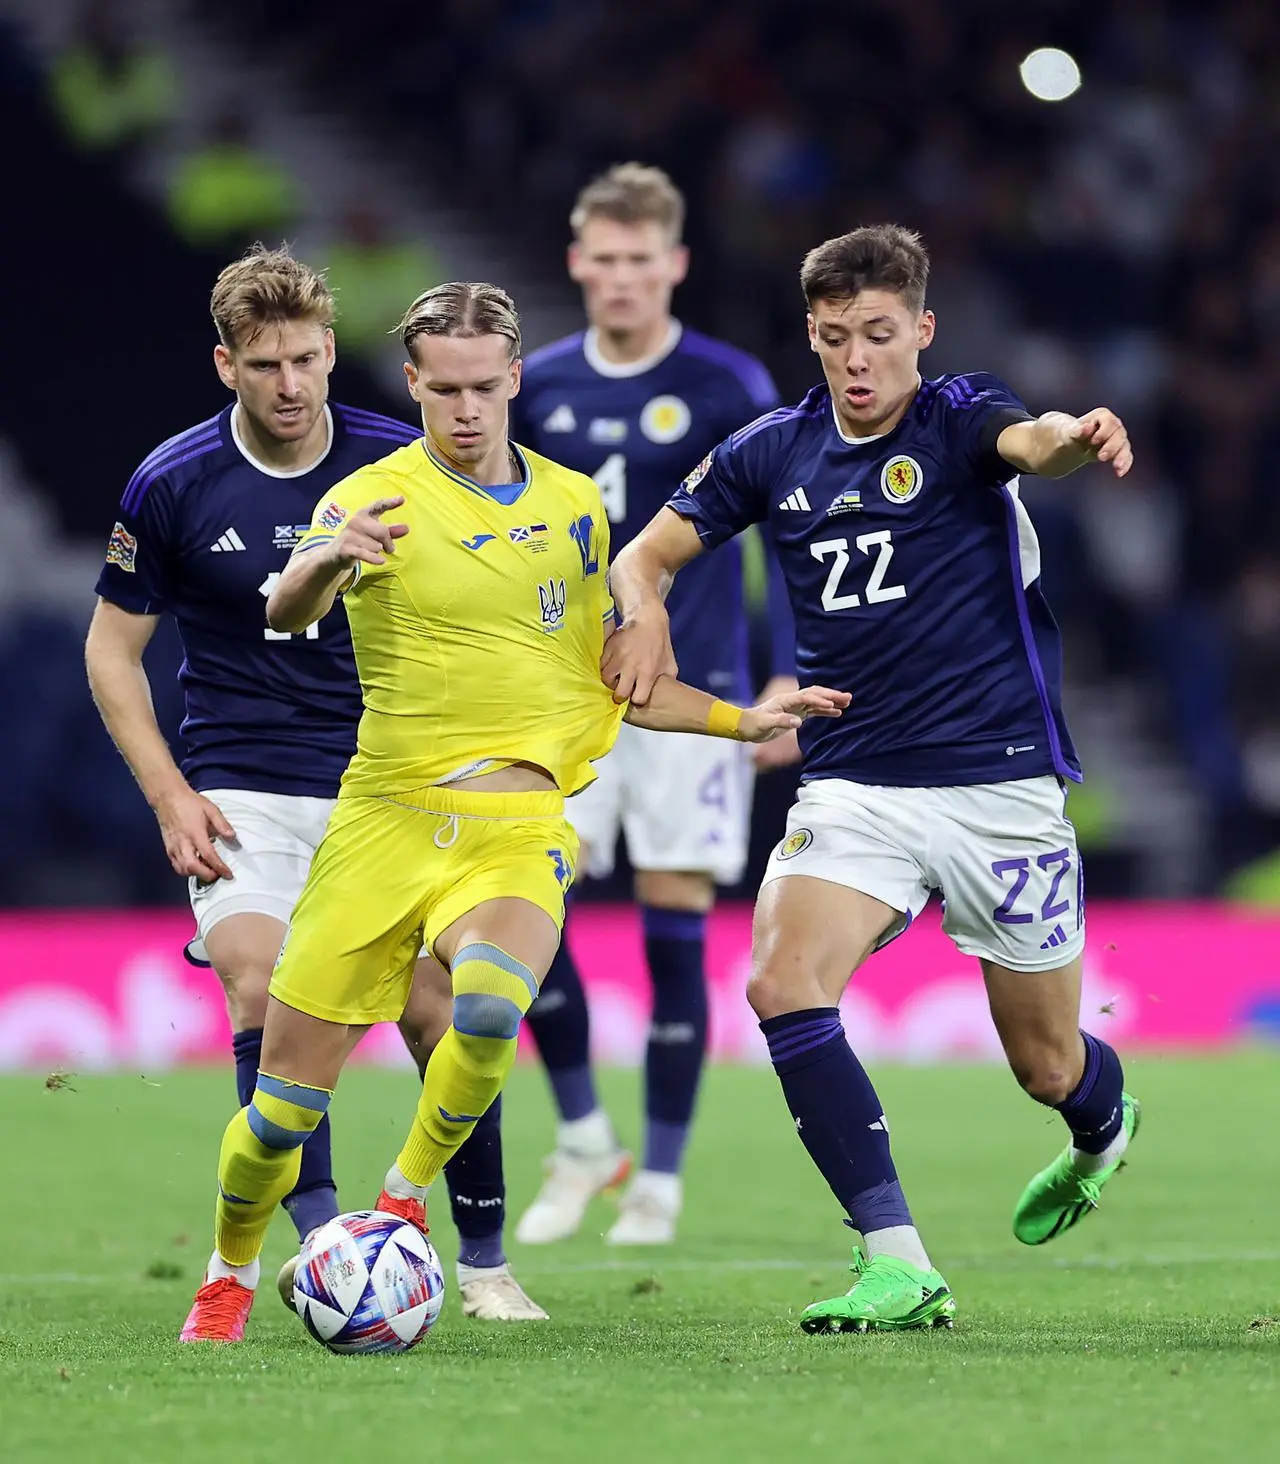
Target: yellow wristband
(724,719)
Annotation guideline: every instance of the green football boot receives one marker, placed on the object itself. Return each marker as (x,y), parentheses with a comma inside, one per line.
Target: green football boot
(1058,1198)
(889,1296)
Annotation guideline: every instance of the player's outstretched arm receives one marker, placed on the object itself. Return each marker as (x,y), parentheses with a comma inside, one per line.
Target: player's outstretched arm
(118,680)
(316,574)
(639,651)
(1057,443)
(675,707)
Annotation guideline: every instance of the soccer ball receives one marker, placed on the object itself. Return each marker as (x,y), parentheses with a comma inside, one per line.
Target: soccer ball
(368,1282)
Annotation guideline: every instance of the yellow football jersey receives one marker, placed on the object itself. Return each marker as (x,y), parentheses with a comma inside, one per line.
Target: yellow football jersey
(480,638)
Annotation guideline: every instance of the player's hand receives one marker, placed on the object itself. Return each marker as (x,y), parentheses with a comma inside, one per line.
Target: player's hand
(365,539)
(1103,435)
(784,713)
(189,824)
(636,654)
(782,751)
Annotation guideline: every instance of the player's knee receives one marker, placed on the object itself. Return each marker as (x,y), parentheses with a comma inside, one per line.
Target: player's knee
(244,987)
(491,992)
(774,992)
(283,1115)
(1050,1078)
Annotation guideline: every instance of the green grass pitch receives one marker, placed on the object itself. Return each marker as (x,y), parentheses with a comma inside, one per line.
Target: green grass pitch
(1150,1332)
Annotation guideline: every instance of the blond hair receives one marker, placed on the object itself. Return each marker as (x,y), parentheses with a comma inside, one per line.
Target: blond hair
(461,309)
(267,287)
(631,193)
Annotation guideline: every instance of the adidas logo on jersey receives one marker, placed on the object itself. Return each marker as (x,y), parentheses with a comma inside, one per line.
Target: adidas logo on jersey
(228,543)
(561,420)
(796,501)
(1057,938)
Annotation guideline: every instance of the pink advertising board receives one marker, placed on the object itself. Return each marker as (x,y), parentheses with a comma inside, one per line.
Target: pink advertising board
(86,990)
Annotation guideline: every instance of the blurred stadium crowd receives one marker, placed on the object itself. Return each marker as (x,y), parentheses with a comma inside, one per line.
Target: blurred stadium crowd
(1121,247)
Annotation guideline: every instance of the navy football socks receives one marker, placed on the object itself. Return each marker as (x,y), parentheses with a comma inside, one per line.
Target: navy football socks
(674,943)
(838,1115)
(477,1192)
(561,1027)
(1093,1111)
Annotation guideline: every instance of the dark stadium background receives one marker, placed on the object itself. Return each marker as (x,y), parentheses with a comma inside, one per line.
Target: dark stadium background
(1122,246)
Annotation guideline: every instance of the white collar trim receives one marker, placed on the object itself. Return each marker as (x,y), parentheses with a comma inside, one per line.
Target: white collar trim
(619,369)
(863,441)
(280,472)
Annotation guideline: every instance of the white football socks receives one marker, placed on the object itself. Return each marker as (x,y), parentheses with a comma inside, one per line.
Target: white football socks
(592,1136)
(246,1275)
(1087,1164)
(900,1241)
(399,1188)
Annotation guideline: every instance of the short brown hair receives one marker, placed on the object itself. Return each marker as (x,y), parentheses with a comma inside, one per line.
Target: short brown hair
(267,287)
(631,193)
(459,309)
(877,257)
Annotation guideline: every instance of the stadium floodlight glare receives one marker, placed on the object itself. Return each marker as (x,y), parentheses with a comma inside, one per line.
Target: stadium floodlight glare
(1049,74)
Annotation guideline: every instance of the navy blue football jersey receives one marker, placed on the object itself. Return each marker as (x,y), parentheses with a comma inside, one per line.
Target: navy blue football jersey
(203,534)
(913,572)
(637,430)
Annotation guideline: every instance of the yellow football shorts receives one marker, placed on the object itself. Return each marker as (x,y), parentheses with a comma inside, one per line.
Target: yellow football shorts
(389,878)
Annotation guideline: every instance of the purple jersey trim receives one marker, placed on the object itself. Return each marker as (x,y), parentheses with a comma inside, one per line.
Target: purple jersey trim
(140,487)
(382,434)
(556,348)
(750,373)
(770,419)
(1029,644)
(358,417)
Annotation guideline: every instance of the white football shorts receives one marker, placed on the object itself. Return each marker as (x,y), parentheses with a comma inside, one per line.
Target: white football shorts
(276,838)
(682,801)
(1003,856)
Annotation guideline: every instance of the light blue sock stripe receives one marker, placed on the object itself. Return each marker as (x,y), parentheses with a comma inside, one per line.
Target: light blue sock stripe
(481,950)
(274,1135)
(316,1099)
(482,1014)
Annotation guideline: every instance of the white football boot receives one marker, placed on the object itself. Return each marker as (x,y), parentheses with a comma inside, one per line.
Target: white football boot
(492,1294)
(574,1179)
(649,1210)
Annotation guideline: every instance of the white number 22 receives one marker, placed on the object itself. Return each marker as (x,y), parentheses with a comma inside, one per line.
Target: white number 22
(264,589)
(837,550)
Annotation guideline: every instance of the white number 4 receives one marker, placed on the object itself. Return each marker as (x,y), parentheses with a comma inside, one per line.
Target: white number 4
(611,479)
(264,589)
(837,550)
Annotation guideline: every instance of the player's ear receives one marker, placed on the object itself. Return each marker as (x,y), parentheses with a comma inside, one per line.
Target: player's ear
(517,375)
(411,378)
(575,262)
(679,264)
(811,326)
(924,334)
(330,347)
(225,365)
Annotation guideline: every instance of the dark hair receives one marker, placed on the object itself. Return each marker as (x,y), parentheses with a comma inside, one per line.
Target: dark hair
(877,257)
(462,309)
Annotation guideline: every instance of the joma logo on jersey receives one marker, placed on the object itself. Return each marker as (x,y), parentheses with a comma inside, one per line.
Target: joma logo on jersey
(563,869)
(582,532)
(551,603)
(901,479)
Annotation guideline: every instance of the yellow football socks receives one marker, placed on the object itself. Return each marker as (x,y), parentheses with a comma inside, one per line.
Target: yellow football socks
(491,993)
(259,1162)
